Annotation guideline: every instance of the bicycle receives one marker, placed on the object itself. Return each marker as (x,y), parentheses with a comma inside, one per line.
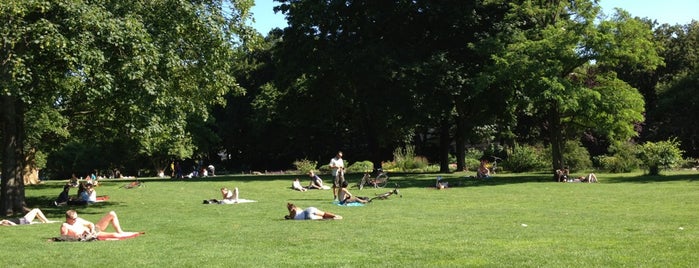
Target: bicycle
(379,181)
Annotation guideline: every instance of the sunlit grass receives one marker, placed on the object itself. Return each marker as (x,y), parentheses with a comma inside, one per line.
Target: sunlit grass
(513,220)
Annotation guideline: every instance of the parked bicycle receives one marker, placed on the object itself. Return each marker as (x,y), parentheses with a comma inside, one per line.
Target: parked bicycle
(377,181)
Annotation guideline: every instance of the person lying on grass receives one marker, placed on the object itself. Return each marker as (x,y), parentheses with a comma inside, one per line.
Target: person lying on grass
(80,229)
(229,197)
(27,219)
(310,213)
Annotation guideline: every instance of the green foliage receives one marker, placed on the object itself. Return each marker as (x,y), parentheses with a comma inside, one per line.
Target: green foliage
(525,158)
(304,166)
(406,160)
(472,158)
(662,154)
(361,167)
(623,159)
(576,157)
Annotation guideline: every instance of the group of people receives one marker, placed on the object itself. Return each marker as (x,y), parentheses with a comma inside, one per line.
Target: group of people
(198,170)
(86,195)
(340,193)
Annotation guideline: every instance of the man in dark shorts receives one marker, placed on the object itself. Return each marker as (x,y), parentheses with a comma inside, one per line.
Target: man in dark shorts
(27,219)
(337,165)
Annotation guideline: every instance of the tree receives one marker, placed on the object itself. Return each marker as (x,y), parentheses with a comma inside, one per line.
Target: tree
(556,65)
(125,68)
(676,105)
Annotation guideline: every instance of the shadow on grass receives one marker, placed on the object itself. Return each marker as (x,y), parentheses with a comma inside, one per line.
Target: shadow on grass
(653,178)
(45,203)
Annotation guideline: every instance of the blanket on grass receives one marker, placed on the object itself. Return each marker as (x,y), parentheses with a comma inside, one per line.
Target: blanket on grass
(350,204)
(99,237)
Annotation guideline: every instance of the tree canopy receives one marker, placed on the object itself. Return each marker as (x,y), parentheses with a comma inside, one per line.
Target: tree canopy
(130,73)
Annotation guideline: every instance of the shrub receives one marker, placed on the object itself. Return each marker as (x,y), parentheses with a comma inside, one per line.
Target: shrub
(361,167)
(663,154)
(406,160)
(525,158)
(622,160)
(472,158)
(304,166)
(576,157)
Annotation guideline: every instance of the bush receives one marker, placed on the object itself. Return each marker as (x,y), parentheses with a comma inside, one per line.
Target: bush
(622,160)
(576,157)
(525,158)
(304,166)
(472,158)
(361,167)
(663,154)
(406,160)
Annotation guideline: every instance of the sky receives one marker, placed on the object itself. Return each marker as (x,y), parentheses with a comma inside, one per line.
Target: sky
(665,11)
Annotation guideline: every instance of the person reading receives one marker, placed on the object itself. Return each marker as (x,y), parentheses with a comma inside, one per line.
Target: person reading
(76,228)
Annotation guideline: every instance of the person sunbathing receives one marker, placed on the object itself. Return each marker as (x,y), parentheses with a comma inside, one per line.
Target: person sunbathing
(229,197)
(27,218)
(77,228)
(310,213)
(346,197)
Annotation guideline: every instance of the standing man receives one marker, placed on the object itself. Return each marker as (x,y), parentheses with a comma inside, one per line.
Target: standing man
(338,171)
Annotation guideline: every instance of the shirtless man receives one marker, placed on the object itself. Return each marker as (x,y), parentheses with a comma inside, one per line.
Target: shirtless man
(76,228)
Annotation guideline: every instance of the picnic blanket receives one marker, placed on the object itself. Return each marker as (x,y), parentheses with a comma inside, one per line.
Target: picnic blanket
(240,200)
(350,204)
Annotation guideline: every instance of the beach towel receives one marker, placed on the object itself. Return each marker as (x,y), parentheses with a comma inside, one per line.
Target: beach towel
(350,204)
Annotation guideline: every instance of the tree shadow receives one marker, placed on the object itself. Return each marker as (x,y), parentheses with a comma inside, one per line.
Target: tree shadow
(45,203)
(653,178)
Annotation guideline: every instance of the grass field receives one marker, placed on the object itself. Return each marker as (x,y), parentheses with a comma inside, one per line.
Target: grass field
(512,220)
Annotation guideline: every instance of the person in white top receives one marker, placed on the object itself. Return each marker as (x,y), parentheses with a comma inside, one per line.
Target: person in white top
(310,213)
(296,185)
(337,166)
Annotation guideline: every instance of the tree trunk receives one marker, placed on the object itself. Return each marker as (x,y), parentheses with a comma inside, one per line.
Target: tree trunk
(556,136)
(460,139)
(444,141)
(12,120)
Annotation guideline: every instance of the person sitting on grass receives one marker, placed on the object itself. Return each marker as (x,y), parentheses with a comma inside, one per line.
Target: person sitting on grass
(89,195)
(562,174)
(310,213)
(316,182)
(27,219)
(483,172)
(76,228)
(63,197)
(296,185)
(229,197)
(346,197)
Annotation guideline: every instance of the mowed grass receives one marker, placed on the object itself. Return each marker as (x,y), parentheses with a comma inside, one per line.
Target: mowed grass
(512,220)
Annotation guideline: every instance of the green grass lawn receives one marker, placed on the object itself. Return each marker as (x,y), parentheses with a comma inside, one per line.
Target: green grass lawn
(512,220)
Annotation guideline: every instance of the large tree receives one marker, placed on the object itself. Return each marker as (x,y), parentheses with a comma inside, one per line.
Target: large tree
(556,65)
(136,69)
